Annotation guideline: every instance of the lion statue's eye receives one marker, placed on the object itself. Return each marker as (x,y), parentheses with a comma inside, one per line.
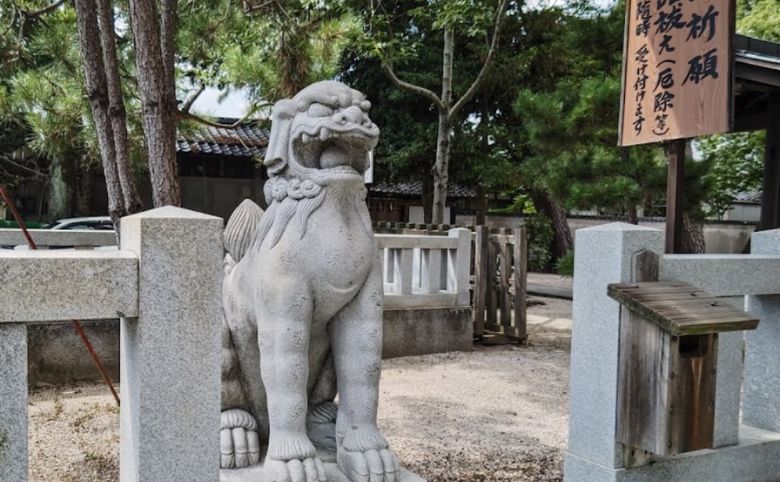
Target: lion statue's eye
(319,110)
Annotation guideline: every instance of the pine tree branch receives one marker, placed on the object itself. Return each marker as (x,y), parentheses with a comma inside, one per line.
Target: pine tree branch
(42,11)
(184,115)
(486,65)
(21,167)
(416,89)
(187,105)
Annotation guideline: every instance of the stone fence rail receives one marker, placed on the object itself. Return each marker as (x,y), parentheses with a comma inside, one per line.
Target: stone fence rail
(420,271)
(164,285)
(44,238)
(745,434)
(423,271)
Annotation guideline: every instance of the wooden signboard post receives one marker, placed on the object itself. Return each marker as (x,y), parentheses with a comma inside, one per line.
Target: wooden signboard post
(677,83)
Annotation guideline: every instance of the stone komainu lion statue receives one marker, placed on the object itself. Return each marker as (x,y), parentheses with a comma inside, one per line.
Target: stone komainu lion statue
(303,300)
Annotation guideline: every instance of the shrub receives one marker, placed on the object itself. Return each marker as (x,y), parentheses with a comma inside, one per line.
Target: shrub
(565,264)
(540,238)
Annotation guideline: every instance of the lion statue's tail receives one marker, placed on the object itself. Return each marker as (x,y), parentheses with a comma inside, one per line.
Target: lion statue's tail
(239,234)
(240,231)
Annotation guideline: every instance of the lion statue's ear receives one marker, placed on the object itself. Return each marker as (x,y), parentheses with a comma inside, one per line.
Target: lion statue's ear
(278,144)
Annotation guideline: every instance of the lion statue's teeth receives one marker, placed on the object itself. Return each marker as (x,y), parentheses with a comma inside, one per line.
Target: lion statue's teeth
(324,133)
(306,138)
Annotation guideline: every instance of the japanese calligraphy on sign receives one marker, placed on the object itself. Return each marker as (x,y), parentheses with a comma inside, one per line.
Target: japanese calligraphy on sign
(676,70)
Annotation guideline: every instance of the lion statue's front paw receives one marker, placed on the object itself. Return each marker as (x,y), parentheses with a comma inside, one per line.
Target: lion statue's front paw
(239,444)
(364,456)
(309,469)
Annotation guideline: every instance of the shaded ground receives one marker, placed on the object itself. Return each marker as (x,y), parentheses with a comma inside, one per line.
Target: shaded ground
(495,414)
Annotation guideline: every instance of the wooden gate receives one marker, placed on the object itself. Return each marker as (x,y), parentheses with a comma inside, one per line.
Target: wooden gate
(500,273)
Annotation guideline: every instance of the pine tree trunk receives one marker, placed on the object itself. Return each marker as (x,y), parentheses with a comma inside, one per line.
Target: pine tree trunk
(692,236)
(59,192)
(482,206)
(116,108)
(94,74)
(441,169)
(157,98)
(427,197)
(562,241)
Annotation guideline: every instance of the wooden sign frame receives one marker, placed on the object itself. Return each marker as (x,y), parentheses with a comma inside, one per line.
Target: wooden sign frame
(711,24)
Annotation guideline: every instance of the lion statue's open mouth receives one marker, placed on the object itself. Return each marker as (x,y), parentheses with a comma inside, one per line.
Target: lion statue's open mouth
(324,146)
(324,133)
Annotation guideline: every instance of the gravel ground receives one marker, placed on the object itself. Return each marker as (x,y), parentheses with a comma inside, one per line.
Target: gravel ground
(498,413)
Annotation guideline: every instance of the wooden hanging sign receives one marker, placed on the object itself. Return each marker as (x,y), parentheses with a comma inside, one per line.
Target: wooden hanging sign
(677,70)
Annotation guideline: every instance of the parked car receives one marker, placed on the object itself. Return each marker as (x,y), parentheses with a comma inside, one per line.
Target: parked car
(92,222)
(101,223)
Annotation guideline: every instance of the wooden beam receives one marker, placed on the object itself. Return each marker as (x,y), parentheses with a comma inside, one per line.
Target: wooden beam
(770,202)
(675,176)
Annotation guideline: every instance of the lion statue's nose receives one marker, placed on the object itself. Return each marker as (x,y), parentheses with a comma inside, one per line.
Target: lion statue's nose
(351,115)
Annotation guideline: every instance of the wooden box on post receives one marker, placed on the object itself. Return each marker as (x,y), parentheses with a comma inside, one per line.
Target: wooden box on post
(667,364)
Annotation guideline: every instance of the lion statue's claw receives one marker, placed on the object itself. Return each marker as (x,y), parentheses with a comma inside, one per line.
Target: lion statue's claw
(379,465)
(309,469)
(239,443)
(364,456)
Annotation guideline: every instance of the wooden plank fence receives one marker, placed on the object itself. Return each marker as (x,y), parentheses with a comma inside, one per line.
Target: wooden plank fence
(500,274)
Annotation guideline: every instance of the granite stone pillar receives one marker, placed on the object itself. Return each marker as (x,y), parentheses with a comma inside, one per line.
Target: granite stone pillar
(603,256)
(13,402)
(761,398)
(170,354)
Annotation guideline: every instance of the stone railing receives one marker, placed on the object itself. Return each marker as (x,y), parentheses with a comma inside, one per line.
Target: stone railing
(421,271)
(45,238)
(426,271)
(164,284)
(746,410)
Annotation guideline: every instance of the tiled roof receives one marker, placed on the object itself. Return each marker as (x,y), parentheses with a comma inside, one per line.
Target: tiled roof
(749,197)
(414,188)
(245,140)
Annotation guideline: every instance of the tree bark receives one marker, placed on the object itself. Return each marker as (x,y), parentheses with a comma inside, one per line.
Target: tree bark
(441,168)
(448,111)
(157,97)
(427,198)
(116,108)
(482,206)
(59,192)
(94,75)
(692,236)
(562,240)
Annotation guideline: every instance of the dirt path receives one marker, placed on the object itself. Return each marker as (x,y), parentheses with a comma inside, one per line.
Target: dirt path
(495,414)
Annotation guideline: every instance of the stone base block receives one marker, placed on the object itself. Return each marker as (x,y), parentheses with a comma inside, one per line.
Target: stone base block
(255,474)
(756,459)
(421,331)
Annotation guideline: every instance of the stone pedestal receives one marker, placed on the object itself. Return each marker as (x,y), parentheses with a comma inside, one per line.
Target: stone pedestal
(255,473)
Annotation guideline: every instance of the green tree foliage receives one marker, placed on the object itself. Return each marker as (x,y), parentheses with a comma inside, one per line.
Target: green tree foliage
(759,18)
(272,51)
(736,160)
(571,126)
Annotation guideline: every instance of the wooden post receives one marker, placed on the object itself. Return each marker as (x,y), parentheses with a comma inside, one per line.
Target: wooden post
(521,276)
(675,176)
(770,202)
(505,267)
(480,279)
